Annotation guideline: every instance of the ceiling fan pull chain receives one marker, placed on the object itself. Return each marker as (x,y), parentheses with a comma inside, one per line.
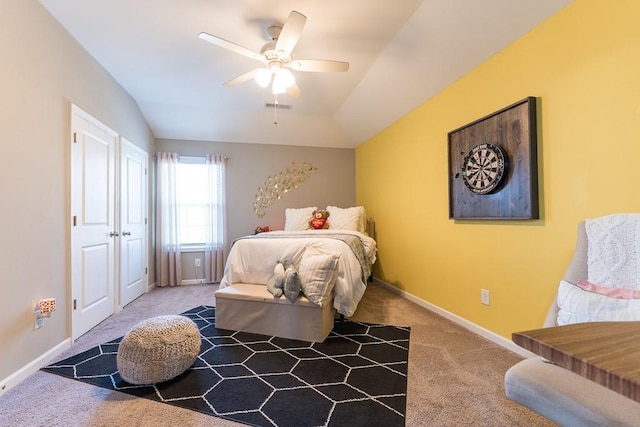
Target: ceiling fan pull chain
(275,109)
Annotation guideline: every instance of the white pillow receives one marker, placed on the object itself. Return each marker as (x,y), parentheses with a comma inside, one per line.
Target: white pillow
(354,218)
(577,305)
(297,219)
(317,275)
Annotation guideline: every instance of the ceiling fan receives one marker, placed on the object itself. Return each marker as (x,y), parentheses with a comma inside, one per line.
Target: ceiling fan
(276,57)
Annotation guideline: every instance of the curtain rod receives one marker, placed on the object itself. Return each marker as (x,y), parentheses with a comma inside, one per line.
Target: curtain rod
(224,157)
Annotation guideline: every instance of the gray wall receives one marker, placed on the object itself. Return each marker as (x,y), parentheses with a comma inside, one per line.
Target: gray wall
(248,167)
(43,70)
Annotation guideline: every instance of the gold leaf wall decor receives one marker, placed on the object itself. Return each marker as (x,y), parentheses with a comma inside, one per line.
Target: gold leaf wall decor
(277,185)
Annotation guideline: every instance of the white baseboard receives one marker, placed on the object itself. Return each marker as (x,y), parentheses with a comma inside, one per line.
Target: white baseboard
(193,282)
(32,367)
(183,282)
(485,333)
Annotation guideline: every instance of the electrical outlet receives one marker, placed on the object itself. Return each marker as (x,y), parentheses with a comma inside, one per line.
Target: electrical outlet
(484,296)
(39,322)
(198,262)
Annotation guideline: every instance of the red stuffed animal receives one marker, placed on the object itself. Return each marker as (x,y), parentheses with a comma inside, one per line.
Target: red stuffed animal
(319,220)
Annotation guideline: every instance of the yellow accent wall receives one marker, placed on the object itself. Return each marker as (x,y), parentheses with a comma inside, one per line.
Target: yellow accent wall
(583,65)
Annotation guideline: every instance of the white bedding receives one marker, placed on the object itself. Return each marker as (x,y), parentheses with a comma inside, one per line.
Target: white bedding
(252,260)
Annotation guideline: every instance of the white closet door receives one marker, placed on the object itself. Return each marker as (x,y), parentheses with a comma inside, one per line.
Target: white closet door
(93,232)
(133,219)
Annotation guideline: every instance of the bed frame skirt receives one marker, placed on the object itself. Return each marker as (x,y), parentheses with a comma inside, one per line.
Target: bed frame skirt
(251,308)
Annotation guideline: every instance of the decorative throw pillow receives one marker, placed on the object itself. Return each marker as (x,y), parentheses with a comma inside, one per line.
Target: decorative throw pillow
(354,218)
(292,284)
(577,305)
(297,219)
(317,271)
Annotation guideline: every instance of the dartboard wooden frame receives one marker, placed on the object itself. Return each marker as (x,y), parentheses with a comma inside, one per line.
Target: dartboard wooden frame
(512,191)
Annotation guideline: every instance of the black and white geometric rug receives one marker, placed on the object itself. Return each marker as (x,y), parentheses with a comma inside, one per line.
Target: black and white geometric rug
(358,376)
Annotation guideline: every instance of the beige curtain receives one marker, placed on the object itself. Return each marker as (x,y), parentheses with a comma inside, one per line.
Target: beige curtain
(216,246)
(167,227)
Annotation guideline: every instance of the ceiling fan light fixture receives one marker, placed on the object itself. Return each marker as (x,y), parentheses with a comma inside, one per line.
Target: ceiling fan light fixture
(263,77)
(276,56)
(284,78)
(277,88)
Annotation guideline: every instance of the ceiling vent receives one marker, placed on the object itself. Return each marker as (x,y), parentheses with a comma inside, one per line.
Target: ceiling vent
(280,106)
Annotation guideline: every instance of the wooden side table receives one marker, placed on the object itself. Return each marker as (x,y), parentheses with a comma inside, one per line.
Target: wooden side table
(605,352)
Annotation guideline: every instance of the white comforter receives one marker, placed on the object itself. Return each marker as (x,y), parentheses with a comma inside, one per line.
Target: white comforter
(251,260)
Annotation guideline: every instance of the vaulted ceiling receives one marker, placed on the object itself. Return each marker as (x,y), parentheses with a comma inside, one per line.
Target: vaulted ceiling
(401,53)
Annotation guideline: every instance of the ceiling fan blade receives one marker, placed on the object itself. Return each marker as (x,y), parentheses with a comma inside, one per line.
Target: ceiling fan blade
(242,78)
(319,65)
(290,32)
(231,46)
(294,90)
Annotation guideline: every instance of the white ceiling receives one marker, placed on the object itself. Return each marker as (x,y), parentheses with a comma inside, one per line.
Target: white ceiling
(401,53)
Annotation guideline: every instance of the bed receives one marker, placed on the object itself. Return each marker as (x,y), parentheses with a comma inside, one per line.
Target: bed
(333,265)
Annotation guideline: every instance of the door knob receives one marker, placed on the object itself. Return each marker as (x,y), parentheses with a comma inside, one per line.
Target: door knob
(113,234)
(126,233)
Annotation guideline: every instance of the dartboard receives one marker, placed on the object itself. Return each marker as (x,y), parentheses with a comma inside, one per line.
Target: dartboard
(484,168)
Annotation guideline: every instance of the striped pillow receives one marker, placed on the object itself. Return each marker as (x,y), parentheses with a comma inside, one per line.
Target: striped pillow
(317,275)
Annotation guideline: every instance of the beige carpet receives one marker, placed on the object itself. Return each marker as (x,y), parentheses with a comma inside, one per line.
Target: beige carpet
(455,376)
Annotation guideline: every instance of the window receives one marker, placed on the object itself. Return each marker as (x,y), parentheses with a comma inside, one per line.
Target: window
(196,201)
(191,183)
(190,214)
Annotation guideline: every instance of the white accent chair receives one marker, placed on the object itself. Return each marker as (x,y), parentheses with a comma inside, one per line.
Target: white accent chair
(559,394)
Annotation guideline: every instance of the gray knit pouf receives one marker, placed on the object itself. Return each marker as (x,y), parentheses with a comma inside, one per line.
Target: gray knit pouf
(158,349)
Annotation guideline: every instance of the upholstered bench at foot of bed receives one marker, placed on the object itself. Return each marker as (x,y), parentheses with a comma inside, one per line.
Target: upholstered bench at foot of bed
(251,308)
(567,398)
